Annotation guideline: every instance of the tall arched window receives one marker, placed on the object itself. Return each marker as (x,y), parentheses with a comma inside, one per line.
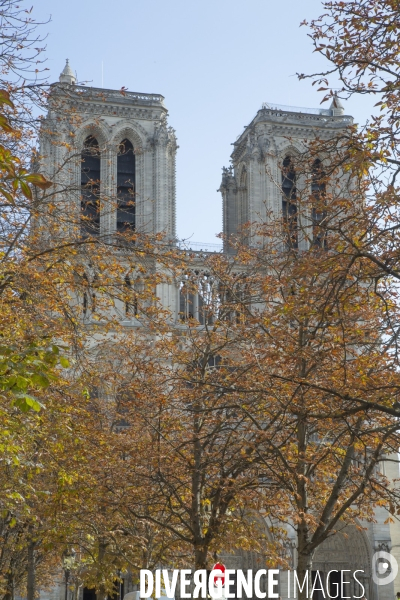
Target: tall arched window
(90,187)
(243,209)
(126,214)
(186,301)
(289,202)
(318,191)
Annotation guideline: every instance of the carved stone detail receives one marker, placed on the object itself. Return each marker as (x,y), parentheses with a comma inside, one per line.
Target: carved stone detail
(382,546)
(99,130)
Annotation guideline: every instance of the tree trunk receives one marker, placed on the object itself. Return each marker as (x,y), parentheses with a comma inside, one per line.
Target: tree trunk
(200,548)
(31,574)
(304,574)
(200,557)
(9,595)
(101,593)
(305,556)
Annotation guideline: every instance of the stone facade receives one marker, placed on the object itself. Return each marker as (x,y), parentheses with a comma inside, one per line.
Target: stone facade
(77,112)
(250,187)
(250,192)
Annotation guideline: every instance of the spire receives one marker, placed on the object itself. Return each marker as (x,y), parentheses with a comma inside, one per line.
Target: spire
(67,75)
(336,107)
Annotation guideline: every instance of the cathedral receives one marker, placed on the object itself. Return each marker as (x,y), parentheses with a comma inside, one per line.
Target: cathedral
(105,120)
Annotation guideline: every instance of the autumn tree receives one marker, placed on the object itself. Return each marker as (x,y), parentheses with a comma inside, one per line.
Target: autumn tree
(360,43)
(277,389)
(324,313)
(273,395)
(193,467)
(49,287)
(308,356)
(289,377)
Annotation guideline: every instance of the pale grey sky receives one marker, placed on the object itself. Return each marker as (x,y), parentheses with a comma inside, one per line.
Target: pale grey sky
(215,61)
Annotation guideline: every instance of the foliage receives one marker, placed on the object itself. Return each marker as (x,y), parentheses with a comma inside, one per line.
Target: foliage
(273,400)
(360,41)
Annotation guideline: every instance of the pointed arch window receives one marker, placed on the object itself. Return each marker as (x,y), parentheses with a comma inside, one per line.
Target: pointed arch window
(126,209)
(243,214)
(90,187)
(186,301)
(318,192)
(289,202)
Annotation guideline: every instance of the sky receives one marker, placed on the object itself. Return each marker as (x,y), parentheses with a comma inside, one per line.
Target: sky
(214,61)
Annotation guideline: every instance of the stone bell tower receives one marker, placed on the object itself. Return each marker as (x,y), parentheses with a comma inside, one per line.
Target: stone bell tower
(114,153)
(251,186)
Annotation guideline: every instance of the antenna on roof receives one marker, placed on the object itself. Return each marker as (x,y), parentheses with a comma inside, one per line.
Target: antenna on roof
(102,74)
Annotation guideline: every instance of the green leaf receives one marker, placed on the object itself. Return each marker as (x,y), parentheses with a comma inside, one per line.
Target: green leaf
(26,190)
(64,362)
(40,380)
(22,382)
(5,98)
(25,403)
(5,124)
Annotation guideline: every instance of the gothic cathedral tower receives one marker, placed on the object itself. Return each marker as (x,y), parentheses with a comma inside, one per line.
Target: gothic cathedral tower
(251,187)
(120,142)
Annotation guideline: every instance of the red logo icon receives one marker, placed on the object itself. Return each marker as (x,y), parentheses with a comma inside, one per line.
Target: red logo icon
(219,577)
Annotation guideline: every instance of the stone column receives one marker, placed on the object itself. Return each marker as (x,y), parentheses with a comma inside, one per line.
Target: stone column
(161,180)
(228,189)
(108,191)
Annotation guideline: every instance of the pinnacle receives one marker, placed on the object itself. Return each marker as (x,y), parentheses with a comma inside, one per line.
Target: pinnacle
(67,74)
